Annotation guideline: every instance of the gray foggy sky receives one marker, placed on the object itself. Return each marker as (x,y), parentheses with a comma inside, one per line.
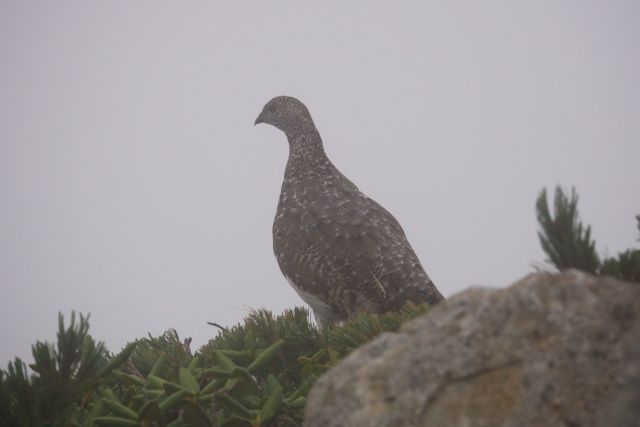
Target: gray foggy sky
(134,186)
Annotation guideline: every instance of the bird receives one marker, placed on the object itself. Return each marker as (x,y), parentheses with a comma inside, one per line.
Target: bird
(341,251)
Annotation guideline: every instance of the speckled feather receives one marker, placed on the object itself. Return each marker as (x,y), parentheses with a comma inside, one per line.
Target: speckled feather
(340,250)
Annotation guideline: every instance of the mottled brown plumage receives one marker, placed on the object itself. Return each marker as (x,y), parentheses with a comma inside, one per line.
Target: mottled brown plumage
(340,250)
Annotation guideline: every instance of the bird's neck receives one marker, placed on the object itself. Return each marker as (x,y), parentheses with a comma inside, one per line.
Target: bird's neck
(307,156)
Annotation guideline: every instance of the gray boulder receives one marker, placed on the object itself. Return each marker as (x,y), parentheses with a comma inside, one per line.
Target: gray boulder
(550,350)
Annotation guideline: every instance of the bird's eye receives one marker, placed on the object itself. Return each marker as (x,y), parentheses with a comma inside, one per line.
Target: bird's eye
(273,108)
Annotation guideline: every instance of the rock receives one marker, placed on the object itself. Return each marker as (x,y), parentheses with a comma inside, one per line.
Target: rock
(626,410)
(551,350)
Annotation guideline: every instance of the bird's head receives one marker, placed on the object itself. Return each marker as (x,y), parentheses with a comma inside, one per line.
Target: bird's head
(287,114)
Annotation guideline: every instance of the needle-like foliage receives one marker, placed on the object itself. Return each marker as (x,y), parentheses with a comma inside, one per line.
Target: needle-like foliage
(564,239)
(568,243)
(257,373)
(64,378)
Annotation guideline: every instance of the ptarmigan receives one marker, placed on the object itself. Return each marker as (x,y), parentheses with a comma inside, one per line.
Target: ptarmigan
(341,251)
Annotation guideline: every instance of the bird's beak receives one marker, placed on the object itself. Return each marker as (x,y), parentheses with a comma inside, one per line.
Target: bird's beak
(259,119)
